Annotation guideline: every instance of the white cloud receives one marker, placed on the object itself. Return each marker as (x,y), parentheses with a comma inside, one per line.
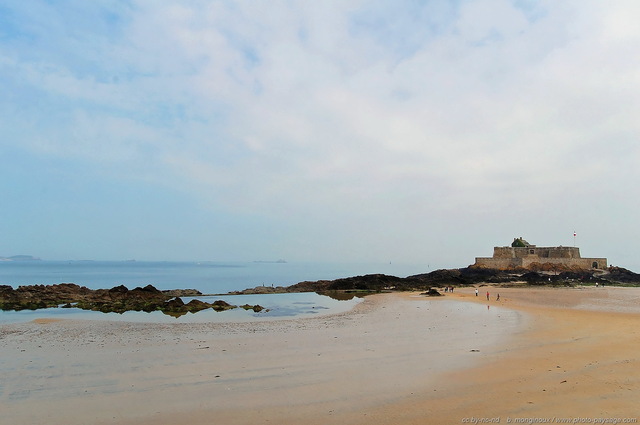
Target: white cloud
(471,108)
(338,110)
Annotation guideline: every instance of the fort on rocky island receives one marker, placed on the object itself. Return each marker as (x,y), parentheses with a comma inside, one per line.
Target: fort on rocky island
(523,254)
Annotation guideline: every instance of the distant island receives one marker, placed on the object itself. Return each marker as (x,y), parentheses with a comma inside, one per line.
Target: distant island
(20,258)
(280,261)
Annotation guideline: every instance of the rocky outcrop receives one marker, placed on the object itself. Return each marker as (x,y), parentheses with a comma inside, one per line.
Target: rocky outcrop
(118,299)
(182,292)
(420,282)
(256,308)
(221,305)
(462,276)
(264,290)
(619,274)
(432,292)
(41,296)
(366,283)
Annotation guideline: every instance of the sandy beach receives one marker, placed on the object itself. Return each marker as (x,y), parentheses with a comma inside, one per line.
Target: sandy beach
(578,360)
(547,354)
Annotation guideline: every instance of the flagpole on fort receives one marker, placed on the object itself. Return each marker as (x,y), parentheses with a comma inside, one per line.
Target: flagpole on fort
(574,238)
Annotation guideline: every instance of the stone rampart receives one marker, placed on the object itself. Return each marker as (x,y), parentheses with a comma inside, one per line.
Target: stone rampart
(494,263)
(511,257)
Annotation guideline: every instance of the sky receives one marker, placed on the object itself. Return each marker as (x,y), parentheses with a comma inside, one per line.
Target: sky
(406,131)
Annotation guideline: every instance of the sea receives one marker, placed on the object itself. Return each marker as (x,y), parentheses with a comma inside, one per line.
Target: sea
(213,278)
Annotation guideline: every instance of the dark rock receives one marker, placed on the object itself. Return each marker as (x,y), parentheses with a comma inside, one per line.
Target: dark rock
(622,275)
(371,282)
(148,288)
(432,292)
(182,292)
(221,305)
(256,308)
(120,289)
(197,305)
(534,278)
(174,304)
(117,299)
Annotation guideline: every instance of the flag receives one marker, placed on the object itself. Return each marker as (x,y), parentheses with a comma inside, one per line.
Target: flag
(574,233)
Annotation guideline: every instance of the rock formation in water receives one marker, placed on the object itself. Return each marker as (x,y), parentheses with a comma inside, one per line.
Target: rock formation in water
(118,299)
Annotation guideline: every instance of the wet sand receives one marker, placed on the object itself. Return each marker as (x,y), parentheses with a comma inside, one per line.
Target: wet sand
(397,358)
(578,360)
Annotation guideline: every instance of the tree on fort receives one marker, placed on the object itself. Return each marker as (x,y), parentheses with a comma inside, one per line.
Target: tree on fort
(519,243)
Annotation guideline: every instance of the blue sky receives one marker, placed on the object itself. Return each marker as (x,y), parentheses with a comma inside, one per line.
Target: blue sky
(413,131)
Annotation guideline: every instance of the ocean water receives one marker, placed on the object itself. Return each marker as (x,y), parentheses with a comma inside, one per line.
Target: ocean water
(207,277)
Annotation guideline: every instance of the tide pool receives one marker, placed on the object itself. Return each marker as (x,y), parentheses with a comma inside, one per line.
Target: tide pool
(208,277)
(277,307)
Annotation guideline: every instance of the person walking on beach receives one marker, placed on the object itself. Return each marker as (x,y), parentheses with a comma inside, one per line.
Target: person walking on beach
(487,295)
(476,292)
(498,297)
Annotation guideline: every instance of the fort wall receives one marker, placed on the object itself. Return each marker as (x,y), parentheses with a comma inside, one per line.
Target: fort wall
(510,257)
(541,252)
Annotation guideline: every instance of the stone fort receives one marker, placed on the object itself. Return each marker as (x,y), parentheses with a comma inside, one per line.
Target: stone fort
(522,254)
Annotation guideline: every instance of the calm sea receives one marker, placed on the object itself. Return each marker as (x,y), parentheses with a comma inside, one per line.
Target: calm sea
(207,277)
